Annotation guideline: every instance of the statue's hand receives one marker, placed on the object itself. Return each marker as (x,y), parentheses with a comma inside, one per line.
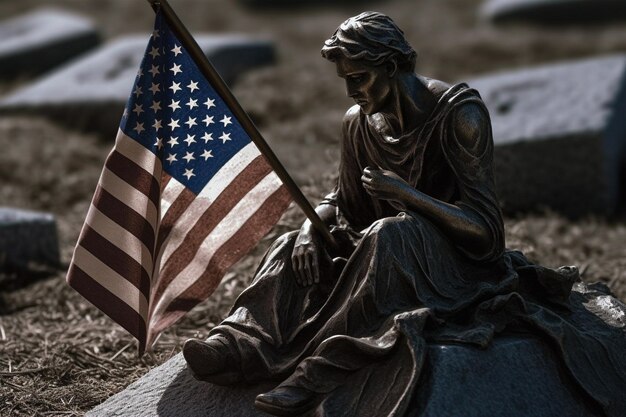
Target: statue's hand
(305,258)
(385,185)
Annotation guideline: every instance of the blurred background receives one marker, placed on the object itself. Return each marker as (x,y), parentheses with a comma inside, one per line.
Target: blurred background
(53,145)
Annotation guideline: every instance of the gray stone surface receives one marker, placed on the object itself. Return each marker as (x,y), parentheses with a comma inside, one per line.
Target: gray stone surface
(42,39)
(560,135)
(27,238)
(514,377)
(90,93)
(554,11)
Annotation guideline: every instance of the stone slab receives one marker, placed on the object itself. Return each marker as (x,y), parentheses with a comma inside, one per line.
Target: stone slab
(554,11)
(560,135)
(42,39)
(458,380)
(27,239)
(90,93)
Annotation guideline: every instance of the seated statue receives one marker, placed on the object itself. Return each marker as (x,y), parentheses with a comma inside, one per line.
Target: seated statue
(419,257)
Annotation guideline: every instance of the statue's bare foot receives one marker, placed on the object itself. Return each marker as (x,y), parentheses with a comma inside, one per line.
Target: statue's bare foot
(286,401)
(211,360)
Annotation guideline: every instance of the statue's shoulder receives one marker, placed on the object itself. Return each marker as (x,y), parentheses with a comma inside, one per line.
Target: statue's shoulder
(436,87)
(352,115)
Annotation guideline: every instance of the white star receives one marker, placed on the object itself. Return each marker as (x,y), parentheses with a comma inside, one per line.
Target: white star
(207,137)
(188,157)
(192,103)
(176,50)
(138,109)
(191,122)
(173,141)
(154,71)
(190,139)
(226,121)
(206,154)
(140,73)
(173,124)
(125,114)
(209,103)
(189,173)
(155,34)
(175,87)
(154,52)
(225,137)
(137,91)
(208,120)
(158,143)
(171,158)
(157,125)
(139,128)
(155,88)
(174,105)
(192,86)
(156,105)
(176,69)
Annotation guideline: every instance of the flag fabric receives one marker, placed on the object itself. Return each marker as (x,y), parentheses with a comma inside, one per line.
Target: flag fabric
(183,195)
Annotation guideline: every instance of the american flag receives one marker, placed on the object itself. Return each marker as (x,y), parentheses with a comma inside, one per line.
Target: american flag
(183,195)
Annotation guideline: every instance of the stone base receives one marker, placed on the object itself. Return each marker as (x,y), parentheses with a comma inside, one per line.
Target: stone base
(513,377)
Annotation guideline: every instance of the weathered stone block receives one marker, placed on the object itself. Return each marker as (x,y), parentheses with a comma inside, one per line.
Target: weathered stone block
(560,135)
(514,377)
(554,11)
(42,39)
(27,238)
(90,93)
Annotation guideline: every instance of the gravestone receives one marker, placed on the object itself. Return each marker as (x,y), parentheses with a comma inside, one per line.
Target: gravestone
(560,135)
(554,11)
(42,39)
(90,94)
(28,240)
(457,380)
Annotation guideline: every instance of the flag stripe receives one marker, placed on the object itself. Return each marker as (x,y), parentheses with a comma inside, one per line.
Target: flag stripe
(119,237)
(111,280)
(124,216)
(229,253)
(111,305)
(133,197)
(141,156)
(134,175)
(124,265)
(222,206)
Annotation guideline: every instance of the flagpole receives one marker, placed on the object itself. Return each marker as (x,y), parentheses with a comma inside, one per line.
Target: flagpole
(222,89)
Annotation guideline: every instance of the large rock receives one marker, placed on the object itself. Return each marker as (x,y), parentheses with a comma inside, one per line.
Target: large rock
(90,93)
(554,11)
(42,39)
(560,135)
(28,241)
(514,377)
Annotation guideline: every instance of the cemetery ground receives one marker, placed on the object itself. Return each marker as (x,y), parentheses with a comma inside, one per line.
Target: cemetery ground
(60,356)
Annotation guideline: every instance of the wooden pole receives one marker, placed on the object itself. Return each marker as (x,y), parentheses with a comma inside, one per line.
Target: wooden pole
(222,89)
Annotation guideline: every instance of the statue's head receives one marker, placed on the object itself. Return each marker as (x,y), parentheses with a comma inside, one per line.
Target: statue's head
(371,37)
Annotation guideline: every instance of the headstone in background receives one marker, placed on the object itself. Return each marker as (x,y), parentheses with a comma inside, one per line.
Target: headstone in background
(40,40)
(554,11)
(560,135)
(292,4)
(90,93)
(28,242)
(513,377)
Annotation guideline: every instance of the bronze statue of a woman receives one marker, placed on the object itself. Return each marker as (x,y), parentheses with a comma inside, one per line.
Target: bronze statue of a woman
(421,256)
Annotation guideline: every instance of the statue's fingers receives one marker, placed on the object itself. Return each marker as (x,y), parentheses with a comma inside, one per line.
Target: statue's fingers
(295,260)
(316,268)
(307,268)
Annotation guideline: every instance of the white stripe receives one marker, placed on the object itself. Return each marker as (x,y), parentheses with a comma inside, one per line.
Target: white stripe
(137,153)
(120,237)
(130,196)
(111,280)
(231,223)
(170,194)
(207,196)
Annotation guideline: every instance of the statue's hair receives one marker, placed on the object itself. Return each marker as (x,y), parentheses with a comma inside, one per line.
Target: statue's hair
(372,37)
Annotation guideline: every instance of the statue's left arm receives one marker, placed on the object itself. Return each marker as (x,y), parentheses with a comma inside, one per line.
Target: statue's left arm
(473,222)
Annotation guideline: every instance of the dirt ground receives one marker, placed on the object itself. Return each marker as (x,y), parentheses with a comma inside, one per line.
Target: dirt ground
(61,356)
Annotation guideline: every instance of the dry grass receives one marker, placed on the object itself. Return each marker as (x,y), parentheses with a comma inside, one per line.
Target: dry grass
(61,356)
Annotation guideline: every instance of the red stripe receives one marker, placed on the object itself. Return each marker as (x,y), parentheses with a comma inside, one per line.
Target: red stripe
(134,175)
(234,249)
(116,259)
(108,303)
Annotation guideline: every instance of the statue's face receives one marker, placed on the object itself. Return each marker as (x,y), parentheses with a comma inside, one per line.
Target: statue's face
(367,84)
